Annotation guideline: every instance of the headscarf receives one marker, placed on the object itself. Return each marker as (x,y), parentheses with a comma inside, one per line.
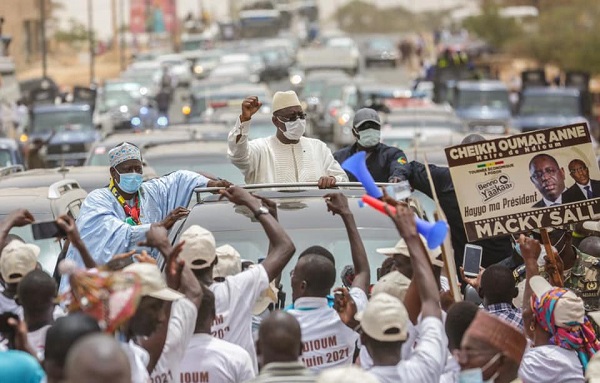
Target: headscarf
(110,297)
(579,337)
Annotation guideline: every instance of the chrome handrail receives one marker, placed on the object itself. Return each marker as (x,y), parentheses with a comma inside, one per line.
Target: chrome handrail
(292,185)
(7,170)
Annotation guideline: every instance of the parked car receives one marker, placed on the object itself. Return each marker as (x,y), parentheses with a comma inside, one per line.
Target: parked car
(483,105)
(381,50)
(45,203)
(73,128)
(179,68)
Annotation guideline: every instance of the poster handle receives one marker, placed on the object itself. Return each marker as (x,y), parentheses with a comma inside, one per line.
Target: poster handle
(555,277)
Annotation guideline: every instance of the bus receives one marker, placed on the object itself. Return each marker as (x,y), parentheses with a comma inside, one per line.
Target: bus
(260,23)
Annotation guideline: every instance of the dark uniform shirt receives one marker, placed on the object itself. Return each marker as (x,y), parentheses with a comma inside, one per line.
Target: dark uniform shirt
(384,162)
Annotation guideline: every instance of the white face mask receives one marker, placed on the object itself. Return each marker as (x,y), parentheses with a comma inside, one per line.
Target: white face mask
(294,129)
(475,375)
(369,137)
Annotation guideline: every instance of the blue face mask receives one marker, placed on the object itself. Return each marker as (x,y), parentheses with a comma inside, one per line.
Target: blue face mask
(130,182)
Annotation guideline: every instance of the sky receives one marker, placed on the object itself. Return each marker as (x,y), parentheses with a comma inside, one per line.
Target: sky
(102,13)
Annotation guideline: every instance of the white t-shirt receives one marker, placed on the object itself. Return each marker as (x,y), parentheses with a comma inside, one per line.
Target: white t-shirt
(10,305)
(234,300)
(550,364)
(427,360)
(211,360)
(37,340)
(182,324)
(138,360)
(326,341)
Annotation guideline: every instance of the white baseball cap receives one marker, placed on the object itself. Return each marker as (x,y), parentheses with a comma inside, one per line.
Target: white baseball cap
(402,248)
(199,249)
(153,284)
(17,260)
(568,308)
(384,319)
(394,283)
(282,100)
(230,262)
(267,296)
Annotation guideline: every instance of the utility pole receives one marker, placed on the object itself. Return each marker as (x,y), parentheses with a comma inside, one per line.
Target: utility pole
(122,58)
(115,23)
(43,36)
(91,40)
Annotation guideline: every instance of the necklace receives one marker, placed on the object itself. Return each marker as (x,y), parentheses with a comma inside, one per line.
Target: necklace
(133,212)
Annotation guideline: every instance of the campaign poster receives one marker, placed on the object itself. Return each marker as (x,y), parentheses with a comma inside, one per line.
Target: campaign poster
(153,16)
(545,178)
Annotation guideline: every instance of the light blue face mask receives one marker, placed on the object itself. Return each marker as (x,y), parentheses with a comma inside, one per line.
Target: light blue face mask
(475,375)
(130,182)
(369,137)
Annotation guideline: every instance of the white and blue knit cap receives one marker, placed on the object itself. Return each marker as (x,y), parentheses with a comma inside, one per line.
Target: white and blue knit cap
(122,153)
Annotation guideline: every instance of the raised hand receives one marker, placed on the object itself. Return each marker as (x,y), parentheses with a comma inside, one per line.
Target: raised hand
(250,106)
(530,248)
(337,203)
(156,236)
(241,196)
(174,216)
(345,306)
(20,217)
(404,219)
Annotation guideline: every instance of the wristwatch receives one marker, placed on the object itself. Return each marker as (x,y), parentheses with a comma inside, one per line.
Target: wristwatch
(261,210)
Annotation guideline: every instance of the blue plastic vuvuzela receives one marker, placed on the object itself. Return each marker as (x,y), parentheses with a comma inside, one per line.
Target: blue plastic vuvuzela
(357,165)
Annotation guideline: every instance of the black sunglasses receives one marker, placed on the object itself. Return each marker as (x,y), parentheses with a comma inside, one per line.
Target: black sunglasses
(292,117)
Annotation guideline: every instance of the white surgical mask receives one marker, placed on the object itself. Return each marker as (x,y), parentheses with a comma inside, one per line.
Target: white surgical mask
(369,137)
(475,375)
(294,129)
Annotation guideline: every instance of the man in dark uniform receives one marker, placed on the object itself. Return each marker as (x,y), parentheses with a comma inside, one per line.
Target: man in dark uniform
(384,162)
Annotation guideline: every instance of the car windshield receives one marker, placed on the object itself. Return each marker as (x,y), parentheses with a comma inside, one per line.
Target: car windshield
(6,158)
(63,120)
(313,87)
(425,123)
(495,99)
(550,104)
(118,98)
(400,143)
(253,245)
(261,130)
(215,164)
(381,45)
(98,157)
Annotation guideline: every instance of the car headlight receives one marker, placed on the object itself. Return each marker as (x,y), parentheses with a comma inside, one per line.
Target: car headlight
(296,79)
(136,121)
(186,110)
(343,119)
(23,138)
(162,121)
(198,69)
(123,109)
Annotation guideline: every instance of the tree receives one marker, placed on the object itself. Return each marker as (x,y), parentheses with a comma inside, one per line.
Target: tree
(493,28)
(76,35)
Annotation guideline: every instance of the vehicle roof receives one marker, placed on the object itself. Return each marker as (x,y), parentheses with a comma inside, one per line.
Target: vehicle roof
(537,90)
(144,65)
(190,148)
(85,175)
(141,138)
(319,74)
(35,199)
(8,143)
(482,85)
(51,108)
(171,57)
(309,206)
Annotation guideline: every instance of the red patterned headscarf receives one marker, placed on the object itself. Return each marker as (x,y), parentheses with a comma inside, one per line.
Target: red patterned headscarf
(577,336)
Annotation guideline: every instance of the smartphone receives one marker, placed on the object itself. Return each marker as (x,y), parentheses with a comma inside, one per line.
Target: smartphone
(44,230)
(472,260)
